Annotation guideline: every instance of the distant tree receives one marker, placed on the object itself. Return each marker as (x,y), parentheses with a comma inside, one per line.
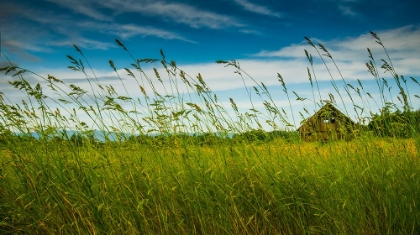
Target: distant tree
(6,136)
(404,124)
(76,139)
(206,139)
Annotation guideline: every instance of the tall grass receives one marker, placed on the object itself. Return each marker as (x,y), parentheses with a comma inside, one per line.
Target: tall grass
(169,165)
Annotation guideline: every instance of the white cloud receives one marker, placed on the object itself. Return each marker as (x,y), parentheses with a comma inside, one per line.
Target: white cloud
(68,30)
(257,8)
(293,51)
(347,11)
(84,43)
(85,7)
(26,46)
(130,30)
(126,31)
(402,45)
(350,56)
(250,31)
(65,29)
(175,12)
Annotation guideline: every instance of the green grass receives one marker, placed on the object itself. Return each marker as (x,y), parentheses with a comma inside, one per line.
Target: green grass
(180,184)
(271,188)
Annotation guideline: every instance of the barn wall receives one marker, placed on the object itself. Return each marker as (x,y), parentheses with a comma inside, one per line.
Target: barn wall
(315,129)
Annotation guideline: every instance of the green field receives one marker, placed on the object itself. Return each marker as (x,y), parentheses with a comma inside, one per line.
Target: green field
(357,187)
(193,168)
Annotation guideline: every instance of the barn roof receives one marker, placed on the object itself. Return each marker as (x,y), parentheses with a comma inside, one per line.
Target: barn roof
(327,107)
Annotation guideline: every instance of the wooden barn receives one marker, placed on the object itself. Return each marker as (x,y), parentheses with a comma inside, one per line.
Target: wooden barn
(327,124)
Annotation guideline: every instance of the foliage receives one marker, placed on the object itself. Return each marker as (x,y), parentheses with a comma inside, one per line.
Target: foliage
(404,124)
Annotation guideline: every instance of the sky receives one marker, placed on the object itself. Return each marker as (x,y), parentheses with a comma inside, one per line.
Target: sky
(266,37)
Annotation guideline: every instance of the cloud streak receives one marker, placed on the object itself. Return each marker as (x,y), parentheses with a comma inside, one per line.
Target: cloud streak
(347,11)
(176,12)
(401,43)
(258,9)
(350,56)
(127,31)
(65,29)
(85,7)
(85,43)
(171,11)
(130,30)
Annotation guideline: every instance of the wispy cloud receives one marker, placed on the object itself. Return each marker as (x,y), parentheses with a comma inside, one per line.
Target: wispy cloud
(292,51)
(250,31)
(171,11)
(85,43)
(350,56)
(65,29)
(16,41)
(400,42)
(175,12)
(130,30)
(85,7)
(126,31)
(45,33)
(347,11)
(257,8)
(25,46)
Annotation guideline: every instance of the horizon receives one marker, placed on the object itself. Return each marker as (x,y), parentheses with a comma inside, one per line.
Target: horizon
(265,37)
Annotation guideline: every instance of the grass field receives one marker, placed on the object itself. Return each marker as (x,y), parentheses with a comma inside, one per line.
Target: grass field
(160,182)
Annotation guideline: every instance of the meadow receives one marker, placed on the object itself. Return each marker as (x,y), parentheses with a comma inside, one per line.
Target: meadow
(179,162)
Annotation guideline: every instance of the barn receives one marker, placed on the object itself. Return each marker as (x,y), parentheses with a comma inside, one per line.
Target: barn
(328,123)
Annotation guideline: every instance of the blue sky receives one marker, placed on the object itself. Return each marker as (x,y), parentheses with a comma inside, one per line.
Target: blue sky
(266,37)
